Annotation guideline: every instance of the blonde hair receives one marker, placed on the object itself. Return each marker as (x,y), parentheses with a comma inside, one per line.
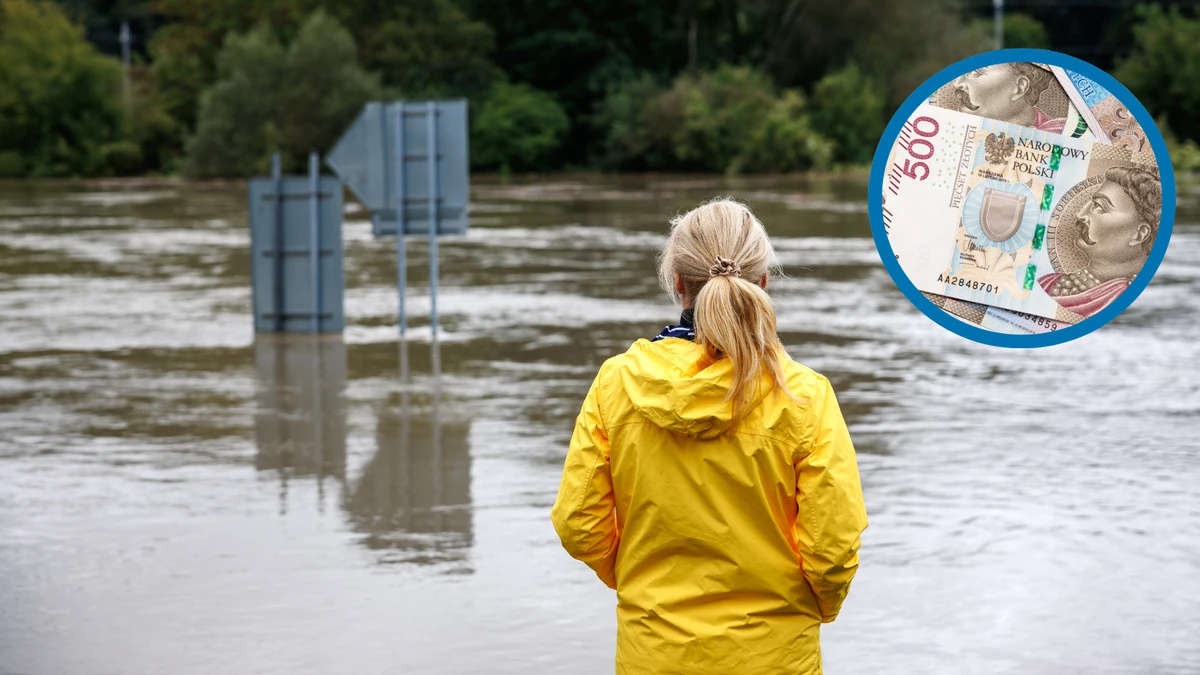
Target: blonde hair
(721,251)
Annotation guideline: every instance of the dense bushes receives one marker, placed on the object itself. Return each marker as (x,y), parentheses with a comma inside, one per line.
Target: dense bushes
(517,129)
(785,141)
(269,98)
(848,109)
(728,120)
(1022,31)
(60,105)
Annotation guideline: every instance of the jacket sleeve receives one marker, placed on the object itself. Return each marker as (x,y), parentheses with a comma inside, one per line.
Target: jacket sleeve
(831,515)
(583,513)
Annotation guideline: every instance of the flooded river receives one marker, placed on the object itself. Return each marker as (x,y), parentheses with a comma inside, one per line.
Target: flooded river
(177,497)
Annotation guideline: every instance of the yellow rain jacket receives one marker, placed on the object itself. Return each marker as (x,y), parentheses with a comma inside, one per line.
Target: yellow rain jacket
(727,551)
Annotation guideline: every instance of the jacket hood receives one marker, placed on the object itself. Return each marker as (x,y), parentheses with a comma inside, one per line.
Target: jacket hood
(676,385)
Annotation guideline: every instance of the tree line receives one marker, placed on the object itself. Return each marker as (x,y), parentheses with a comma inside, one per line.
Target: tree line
(216,86)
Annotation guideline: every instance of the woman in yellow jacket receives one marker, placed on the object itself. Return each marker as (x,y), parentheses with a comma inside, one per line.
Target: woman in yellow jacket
(710,479)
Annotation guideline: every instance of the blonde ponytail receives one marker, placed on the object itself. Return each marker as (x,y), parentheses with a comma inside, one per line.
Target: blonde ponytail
(721,252)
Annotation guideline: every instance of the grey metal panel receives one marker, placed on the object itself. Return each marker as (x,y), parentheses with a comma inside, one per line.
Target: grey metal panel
(360,157)
(452,171)
(364,158)
(297,295)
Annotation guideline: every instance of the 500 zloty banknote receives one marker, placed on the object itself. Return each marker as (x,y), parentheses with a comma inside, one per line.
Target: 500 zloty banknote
(993,318)
(1018,218)
(1027,94)
(1110,120)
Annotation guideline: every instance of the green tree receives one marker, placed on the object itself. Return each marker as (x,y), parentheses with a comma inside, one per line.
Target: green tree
(728,119)
(422,48)
(715,115)
(900,43)
(623,114)
(785,141)
(324,87)
(151,128)
(274,99)
(580,51)
(238,129)
(184,51)
(1023,31)
(518,128)
(1164,69)
(848,109)
(60,106)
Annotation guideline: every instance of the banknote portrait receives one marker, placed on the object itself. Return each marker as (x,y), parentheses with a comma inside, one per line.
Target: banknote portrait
(1018,93)
(1100,235)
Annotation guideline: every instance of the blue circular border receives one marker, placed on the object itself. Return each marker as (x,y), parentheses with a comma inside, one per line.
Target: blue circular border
(983,335)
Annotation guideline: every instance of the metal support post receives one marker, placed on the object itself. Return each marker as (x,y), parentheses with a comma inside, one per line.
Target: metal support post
(401,215)
(277,177)
(431,160)
(126,84)
(401,224)
(314,226)
(998,11)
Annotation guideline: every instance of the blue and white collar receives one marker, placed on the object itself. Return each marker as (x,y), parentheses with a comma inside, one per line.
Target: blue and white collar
(684,330)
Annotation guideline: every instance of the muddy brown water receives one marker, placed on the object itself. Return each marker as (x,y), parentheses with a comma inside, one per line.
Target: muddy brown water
(179,497)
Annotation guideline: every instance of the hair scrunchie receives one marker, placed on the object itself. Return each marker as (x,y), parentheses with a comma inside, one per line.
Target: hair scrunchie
(724,267)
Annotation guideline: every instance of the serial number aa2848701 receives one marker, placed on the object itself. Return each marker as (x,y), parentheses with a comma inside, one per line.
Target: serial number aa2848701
(964,283)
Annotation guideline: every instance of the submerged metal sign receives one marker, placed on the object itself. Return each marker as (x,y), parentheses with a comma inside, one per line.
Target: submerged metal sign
(297,277)
(407,162)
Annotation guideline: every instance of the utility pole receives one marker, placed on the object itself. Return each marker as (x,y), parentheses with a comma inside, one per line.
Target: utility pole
(127,87)
(693,28)
(998,6)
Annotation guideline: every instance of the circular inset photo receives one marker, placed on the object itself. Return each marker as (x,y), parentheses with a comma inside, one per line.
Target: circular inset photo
(1022,198)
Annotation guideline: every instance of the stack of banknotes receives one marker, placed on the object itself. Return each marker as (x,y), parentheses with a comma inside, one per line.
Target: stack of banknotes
(1022,198)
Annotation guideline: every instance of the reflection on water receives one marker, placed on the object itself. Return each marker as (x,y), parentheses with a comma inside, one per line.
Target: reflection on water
(412,500)
(300,425)
(180,496)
